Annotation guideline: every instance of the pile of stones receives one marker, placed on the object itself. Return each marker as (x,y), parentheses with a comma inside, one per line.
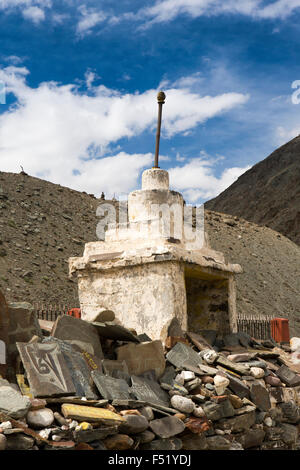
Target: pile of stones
(100,386)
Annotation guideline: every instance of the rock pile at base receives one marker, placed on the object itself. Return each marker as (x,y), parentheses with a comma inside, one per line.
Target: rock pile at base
(99,386)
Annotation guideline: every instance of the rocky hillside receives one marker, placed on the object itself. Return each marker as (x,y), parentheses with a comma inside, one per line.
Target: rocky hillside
(269,193)
(43,224)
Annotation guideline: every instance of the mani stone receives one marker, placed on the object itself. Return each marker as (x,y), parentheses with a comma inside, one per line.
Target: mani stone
(77,367)
(217,411)
(90,414)
(239,368)
(238,423)
(149,391)
(182,354)
(4,325)
(288,377)
(109,366)
(167,427)
(111,388)
(260,397)
(46,368)
(143,357)
(238,387)
(134,424)
(13,403)
(113,331)
(23,325)
(79,333)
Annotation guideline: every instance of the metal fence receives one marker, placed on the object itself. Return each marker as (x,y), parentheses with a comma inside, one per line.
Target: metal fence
(51,311)
(257,327)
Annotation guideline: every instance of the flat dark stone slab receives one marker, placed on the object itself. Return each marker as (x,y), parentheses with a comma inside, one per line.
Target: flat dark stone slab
(167,427)
(90,435)
(109,366)
(260,397)
(112,331)
(79,333)
(46,368)
(149,391)
(287,376)
(182,354)
(111,388)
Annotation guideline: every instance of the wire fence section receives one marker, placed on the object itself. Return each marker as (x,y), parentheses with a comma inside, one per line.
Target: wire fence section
(257,327)
(50,312)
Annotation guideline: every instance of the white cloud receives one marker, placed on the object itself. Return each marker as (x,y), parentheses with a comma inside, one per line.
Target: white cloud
(34,14)
(167,10)
(89,19)
(196,179)
(59,134)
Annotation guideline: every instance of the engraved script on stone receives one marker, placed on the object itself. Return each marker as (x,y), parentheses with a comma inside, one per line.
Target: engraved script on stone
(111,388)
(46,369)
(149,391)
(182,354)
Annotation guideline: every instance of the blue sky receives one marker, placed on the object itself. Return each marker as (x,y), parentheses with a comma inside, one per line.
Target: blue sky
(81,80)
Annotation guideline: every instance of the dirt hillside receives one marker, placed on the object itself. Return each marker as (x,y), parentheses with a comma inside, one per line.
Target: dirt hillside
(43,224)
(269,193)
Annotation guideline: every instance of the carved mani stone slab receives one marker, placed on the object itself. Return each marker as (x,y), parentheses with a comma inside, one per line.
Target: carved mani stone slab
(81,334)
(182,354)
(143,357)
(111,388)
(46,369)
(149,391)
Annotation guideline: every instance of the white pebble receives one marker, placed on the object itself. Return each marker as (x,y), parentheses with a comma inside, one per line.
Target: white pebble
(186,405)
(6,425)
(257,372)
(198,412)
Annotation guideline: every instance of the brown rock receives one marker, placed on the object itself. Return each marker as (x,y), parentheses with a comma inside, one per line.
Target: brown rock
(197,425)
(236,401)
(251,438)
(130,412)
(83,446)
(37,404)
(118,442)
(143,357)
(206,379)
(194,442)
(180,416)
(273,381)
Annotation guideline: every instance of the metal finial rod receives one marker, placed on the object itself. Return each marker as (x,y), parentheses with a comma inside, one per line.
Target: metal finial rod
(160,99)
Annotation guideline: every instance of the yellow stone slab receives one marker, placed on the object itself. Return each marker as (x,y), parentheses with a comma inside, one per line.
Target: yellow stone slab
(89,414)
(22,385)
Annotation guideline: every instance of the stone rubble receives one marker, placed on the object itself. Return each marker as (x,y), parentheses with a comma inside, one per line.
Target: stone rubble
(85,387)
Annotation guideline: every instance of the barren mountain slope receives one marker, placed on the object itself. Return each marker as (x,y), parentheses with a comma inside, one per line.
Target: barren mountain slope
(43,224)
(269,193)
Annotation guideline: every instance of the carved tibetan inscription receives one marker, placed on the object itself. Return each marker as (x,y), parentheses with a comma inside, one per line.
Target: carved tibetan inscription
(47,371)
